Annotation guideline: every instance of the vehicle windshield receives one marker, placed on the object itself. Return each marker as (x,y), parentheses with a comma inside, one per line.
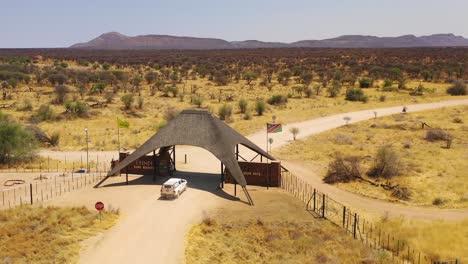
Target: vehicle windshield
(168,186)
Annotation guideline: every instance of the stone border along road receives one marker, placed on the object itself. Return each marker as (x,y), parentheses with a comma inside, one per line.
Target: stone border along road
(315,126)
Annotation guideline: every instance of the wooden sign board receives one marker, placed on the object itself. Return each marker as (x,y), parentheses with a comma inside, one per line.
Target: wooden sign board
(257,173)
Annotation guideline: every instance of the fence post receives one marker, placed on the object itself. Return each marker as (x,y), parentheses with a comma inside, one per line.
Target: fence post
(344,215)
(355,225)
(315,204)
(30,193)
(323,205)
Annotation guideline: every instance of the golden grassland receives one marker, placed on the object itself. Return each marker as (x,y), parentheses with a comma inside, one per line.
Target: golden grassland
(48,234)
(431,171)
(438,240)
(277,230)
(145,122)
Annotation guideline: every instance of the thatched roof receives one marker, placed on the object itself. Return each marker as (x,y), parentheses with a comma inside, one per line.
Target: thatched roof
(200,129)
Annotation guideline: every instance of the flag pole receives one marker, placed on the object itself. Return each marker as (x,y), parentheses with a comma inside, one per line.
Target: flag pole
(118,137)
(267,137)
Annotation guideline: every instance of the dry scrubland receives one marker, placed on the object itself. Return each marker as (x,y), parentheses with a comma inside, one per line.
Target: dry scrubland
(433,174)
(276,230)
(48,234)
(438,240)
(145,122)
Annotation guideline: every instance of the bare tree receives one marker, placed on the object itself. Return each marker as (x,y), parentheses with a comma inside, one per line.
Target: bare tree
(294,131)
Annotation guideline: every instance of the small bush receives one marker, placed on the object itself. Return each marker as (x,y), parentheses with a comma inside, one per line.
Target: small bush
(260,107)
(61,92)
(387,163)
(387,83)
(45,113)
(356,94)
(225,112)
(438,201)
(27,106)
(382,98)
(308,92)
(127,100)
(197,100)
(278,100)
(334,89)
(365,83)
(343,139)
(343,169)
(435,134)
(458,88)
(78,108)
(401,193)
(247,115)
(54,139)
(243,103)
(458,120)
(140,102)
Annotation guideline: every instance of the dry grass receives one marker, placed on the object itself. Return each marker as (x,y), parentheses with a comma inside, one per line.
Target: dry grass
(439,240)
(145,122)
(433,174)
(48,234)
(276,230)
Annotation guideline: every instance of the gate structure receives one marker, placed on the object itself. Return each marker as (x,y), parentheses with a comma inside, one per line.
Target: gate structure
(200,129)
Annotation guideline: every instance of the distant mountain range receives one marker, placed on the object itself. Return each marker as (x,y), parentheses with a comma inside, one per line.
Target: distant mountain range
(115,40)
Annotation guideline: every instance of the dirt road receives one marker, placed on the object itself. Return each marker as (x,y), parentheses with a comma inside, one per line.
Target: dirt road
(153,230)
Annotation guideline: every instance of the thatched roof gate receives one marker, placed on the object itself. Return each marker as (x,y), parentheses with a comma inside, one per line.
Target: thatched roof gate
(201,129)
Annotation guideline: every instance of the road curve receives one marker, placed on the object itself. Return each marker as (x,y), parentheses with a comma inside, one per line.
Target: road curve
(356,201)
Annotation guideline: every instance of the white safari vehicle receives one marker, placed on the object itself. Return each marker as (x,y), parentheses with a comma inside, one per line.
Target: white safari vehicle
(173,187)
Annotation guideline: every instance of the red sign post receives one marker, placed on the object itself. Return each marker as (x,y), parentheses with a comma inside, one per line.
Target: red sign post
(99,206)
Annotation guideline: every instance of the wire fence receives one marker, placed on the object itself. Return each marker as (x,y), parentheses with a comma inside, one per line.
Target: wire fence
(45,188)
(57,166)
(367,232)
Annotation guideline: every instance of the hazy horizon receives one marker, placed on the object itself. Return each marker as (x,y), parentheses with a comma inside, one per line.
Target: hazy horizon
(53,23)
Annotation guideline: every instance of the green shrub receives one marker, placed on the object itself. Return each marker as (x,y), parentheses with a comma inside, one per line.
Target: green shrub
(356,94)
(278,100)
(77,109)
(365,83)
(16,143)
(334,89)
(225,112)
(127,100)
(45,113)
(387,83)
(54,139)
(387,163)
(458,88)
(260,107)
(197,100)
(243,103)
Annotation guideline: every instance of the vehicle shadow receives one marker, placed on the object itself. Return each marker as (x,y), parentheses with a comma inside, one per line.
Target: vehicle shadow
(208,182)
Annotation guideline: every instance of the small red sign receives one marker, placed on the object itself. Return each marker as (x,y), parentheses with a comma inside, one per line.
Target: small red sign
(99,206)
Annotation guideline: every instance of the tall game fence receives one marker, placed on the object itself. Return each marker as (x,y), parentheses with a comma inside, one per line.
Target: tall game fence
(357,226)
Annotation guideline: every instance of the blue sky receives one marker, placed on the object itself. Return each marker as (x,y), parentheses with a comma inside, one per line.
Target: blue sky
(60,23)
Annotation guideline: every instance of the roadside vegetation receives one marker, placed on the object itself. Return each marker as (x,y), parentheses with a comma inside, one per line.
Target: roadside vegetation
(438,240)
(61,93)
(48,234)
(414,158)
(276,230)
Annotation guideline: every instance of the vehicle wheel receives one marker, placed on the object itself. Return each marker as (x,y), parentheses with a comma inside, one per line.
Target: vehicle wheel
(177,195)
